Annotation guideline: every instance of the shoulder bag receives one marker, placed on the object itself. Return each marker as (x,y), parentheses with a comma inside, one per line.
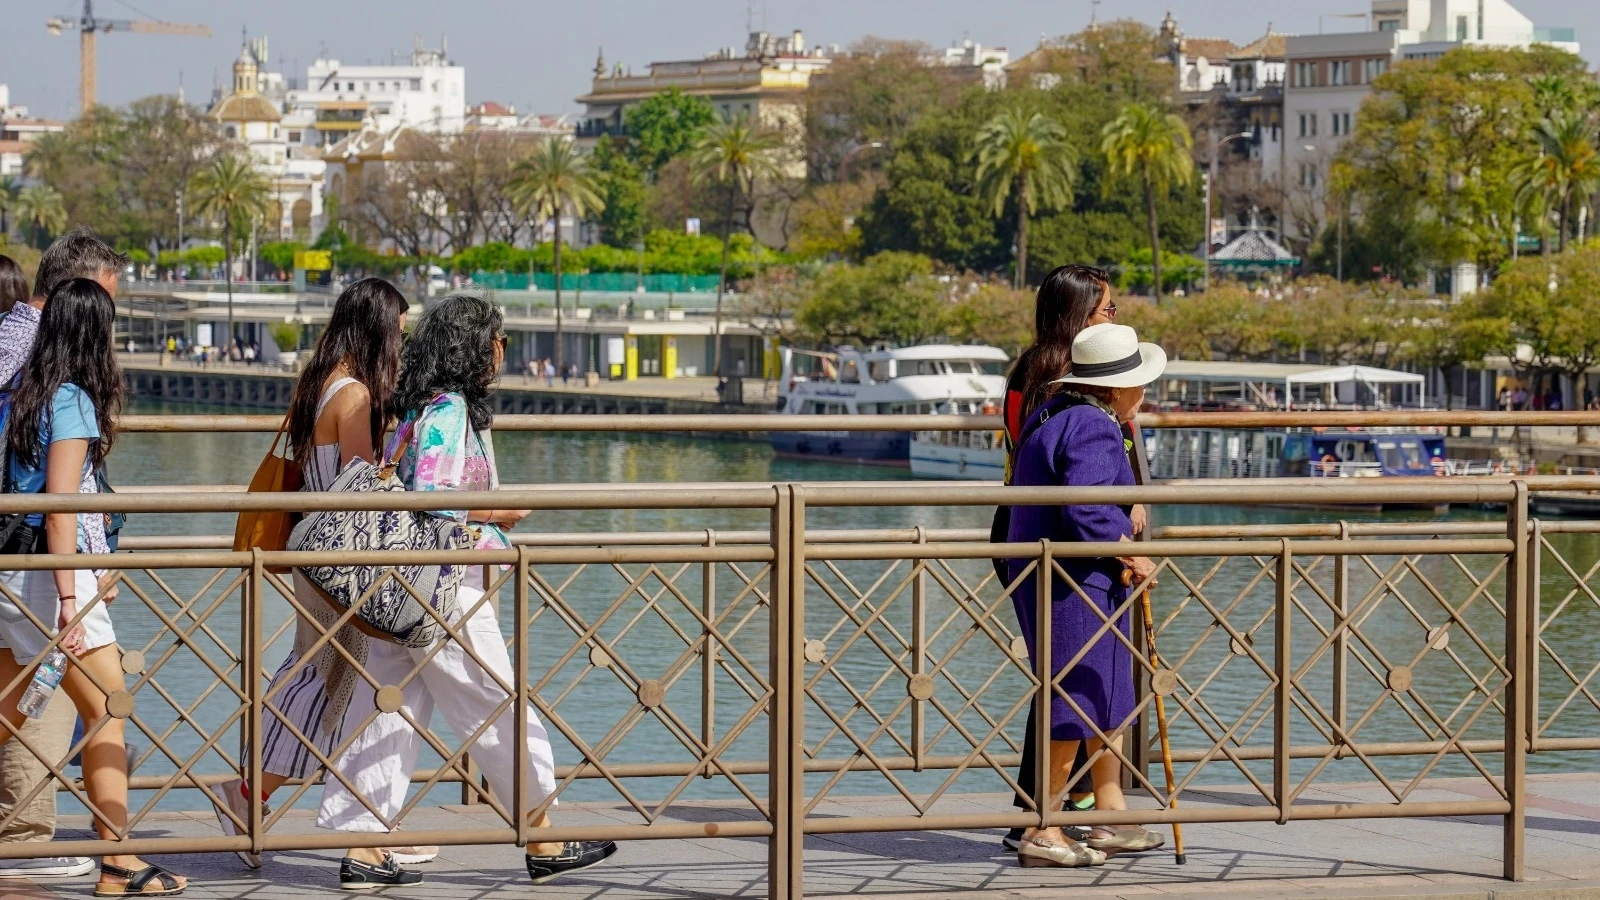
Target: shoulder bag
(388,598)
(276,475)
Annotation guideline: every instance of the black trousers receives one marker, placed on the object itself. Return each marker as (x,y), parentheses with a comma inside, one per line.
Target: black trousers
(1084,784)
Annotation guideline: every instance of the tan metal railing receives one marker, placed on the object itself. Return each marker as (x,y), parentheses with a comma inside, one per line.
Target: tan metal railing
(774,669)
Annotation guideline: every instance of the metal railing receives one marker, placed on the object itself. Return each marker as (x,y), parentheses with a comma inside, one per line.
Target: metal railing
(773,669)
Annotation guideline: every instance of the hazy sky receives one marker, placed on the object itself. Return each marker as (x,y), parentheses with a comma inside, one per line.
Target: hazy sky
(538,54)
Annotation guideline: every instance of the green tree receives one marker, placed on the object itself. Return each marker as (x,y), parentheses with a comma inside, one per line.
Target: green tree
(280,254)
(1431,161)
(551,181)
(891,297)
(993,313)
(10,187)
(733,154)
(232,191)
(1023,159)
(1150,143)
(41,213)
(621,183)
(873,94)
(665,126)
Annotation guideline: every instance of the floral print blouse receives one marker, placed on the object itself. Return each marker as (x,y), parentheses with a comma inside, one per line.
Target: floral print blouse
(443,452)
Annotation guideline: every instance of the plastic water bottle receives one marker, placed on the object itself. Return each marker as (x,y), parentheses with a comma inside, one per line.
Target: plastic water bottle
(45,681)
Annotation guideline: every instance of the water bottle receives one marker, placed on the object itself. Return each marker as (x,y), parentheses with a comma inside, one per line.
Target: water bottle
(45,681)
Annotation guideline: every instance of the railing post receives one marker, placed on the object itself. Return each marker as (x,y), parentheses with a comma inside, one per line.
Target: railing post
(1341,636)
(1282,699)
(786,762)
(1517,666)
(1534,630)
(708,655)
(919,635)
(252,668)
(1044,579)
(520,667)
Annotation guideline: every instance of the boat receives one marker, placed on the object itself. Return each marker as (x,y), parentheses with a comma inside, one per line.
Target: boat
(1322,453)
(960,455)
(926,379)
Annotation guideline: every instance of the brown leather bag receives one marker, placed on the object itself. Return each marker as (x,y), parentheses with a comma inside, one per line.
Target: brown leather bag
(276,474)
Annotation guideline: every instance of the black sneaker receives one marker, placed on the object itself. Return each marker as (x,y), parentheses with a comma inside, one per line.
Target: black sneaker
(574,856)
(355,875)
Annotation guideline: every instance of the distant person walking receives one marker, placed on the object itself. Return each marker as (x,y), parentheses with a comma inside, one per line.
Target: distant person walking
(549,373)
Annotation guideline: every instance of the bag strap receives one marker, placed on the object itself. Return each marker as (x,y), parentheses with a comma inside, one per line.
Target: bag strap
(282,430)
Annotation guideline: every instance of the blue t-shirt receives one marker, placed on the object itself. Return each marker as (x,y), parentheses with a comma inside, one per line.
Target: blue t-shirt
(72,415)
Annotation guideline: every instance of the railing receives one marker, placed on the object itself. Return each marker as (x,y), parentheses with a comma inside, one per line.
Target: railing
(775,669)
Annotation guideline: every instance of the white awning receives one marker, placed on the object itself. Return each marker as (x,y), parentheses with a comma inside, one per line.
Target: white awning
(1365,374)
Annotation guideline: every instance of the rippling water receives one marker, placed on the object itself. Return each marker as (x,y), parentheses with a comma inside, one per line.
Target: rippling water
(856,697)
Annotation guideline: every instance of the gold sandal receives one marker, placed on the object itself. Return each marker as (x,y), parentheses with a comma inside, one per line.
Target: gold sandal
(1124,838)
(1035,851)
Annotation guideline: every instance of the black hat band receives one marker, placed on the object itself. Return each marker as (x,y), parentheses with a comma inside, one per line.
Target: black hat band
(1101,370)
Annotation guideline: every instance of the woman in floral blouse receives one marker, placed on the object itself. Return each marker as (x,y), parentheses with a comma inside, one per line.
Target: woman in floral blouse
(443,444)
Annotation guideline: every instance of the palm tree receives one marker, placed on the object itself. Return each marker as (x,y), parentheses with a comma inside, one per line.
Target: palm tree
(231,189)
(733,153)
(1024,158)
(9,188)
(1148,141)
(1565,167)
(40,210)
(552,180)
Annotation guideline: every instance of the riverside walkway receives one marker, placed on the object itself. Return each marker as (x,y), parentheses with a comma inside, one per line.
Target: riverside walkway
(785,704)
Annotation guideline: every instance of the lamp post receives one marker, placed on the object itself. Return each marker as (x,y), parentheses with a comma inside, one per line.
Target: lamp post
(1211,179)
(844,164)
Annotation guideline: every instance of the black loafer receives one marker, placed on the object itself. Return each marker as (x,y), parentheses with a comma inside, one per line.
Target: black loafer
(355,875)
(574,856)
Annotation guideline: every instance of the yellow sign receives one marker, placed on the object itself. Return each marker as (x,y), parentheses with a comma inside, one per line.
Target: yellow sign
(313,260)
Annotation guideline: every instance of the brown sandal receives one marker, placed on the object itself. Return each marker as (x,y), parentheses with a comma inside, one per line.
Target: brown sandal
(167,884)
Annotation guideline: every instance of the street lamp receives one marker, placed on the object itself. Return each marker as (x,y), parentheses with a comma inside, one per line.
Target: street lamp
(1211,179)
(844,164)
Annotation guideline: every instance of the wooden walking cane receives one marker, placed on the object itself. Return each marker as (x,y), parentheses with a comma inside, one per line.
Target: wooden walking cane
(1161,708)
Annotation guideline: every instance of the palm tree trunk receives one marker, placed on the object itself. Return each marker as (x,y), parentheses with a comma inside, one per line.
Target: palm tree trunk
(1021,278)
(722,285)
(1155,236)
(227,277)
(1566,211)
(560,357)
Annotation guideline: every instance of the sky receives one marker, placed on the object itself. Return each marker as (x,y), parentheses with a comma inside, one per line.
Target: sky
(539,54)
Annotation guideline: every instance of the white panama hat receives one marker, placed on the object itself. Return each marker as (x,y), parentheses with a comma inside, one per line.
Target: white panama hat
(1110,355)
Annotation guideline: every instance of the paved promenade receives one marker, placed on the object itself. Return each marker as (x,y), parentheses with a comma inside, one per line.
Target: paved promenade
(1376,858)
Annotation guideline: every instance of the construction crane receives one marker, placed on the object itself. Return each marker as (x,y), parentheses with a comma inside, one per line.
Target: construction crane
(89,26)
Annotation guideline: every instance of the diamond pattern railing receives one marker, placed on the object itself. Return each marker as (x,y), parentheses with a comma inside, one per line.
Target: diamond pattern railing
(772,678)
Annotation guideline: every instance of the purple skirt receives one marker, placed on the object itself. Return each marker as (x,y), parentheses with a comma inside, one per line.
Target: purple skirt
(1101,682)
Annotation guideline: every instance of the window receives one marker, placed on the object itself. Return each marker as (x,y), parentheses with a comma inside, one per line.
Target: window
(1339,72)
(231,132)
(1341,124)
(1372,68)
(1387,25)
(296,137)
(1308,175)
(416,84)
(1305,74)
(350,85)
(1308,125)
(1461,28)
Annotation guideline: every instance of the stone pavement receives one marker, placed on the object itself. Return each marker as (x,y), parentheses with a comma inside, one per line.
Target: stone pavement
(1372,858)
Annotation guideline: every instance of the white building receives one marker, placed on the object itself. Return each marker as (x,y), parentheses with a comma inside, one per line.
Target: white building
(989,62)
(1329,75)
(430,94)
(17,129)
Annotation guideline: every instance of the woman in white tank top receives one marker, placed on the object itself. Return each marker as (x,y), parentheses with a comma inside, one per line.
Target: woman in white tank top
(337,415)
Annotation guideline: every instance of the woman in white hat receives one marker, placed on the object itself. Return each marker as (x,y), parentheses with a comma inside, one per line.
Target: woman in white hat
(1075,438)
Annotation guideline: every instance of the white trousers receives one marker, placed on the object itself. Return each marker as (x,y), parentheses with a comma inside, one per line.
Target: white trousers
(380,759)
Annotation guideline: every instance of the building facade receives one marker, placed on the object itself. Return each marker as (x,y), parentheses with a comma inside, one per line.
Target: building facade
(336,100)
(17,130)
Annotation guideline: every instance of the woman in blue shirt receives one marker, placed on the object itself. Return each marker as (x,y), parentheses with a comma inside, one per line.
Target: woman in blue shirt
(60,424)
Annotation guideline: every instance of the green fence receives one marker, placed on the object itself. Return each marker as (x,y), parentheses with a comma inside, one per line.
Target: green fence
(617,282)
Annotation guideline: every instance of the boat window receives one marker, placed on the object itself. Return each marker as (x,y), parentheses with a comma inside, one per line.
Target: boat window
(816,406)
(835,409)
(879,370)
(851,373)
(992,367)
(1414,457)
(1389,454)
(962,367)
(928,367)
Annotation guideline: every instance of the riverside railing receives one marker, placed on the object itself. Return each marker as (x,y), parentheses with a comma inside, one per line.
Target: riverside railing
(773,670)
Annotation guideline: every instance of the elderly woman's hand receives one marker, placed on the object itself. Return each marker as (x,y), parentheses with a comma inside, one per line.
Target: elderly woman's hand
(1141,568)
(1140,517)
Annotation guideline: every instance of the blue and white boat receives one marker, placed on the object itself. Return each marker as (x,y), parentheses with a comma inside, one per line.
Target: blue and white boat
(930,379)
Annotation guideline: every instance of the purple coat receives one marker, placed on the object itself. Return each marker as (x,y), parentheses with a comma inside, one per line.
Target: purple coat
(1079,445)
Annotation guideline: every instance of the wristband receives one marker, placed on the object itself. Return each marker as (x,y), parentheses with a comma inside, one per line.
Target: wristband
(69,596)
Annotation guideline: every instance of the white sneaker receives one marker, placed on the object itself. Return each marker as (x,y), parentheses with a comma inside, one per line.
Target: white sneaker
(232,793)
(46,867)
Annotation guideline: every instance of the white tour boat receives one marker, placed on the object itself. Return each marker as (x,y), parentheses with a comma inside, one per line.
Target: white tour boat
(929,379)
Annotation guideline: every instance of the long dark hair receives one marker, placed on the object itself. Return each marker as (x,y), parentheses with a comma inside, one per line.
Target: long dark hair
(73,347)
(1067,299)
(364,334)
(13,285)
(451,351)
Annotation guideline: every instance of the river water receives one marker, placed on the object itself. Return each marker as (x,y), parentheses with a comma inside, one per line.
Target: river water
(856,697)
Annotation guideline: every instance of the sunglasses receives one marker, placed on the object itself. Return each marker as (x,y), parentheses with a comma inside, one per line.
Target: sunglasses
(1111,310)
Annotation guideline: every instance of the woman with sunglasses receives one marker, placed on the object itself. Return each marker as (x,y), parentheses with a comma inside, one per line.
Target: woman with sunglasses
(442,443)
(1070,299)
